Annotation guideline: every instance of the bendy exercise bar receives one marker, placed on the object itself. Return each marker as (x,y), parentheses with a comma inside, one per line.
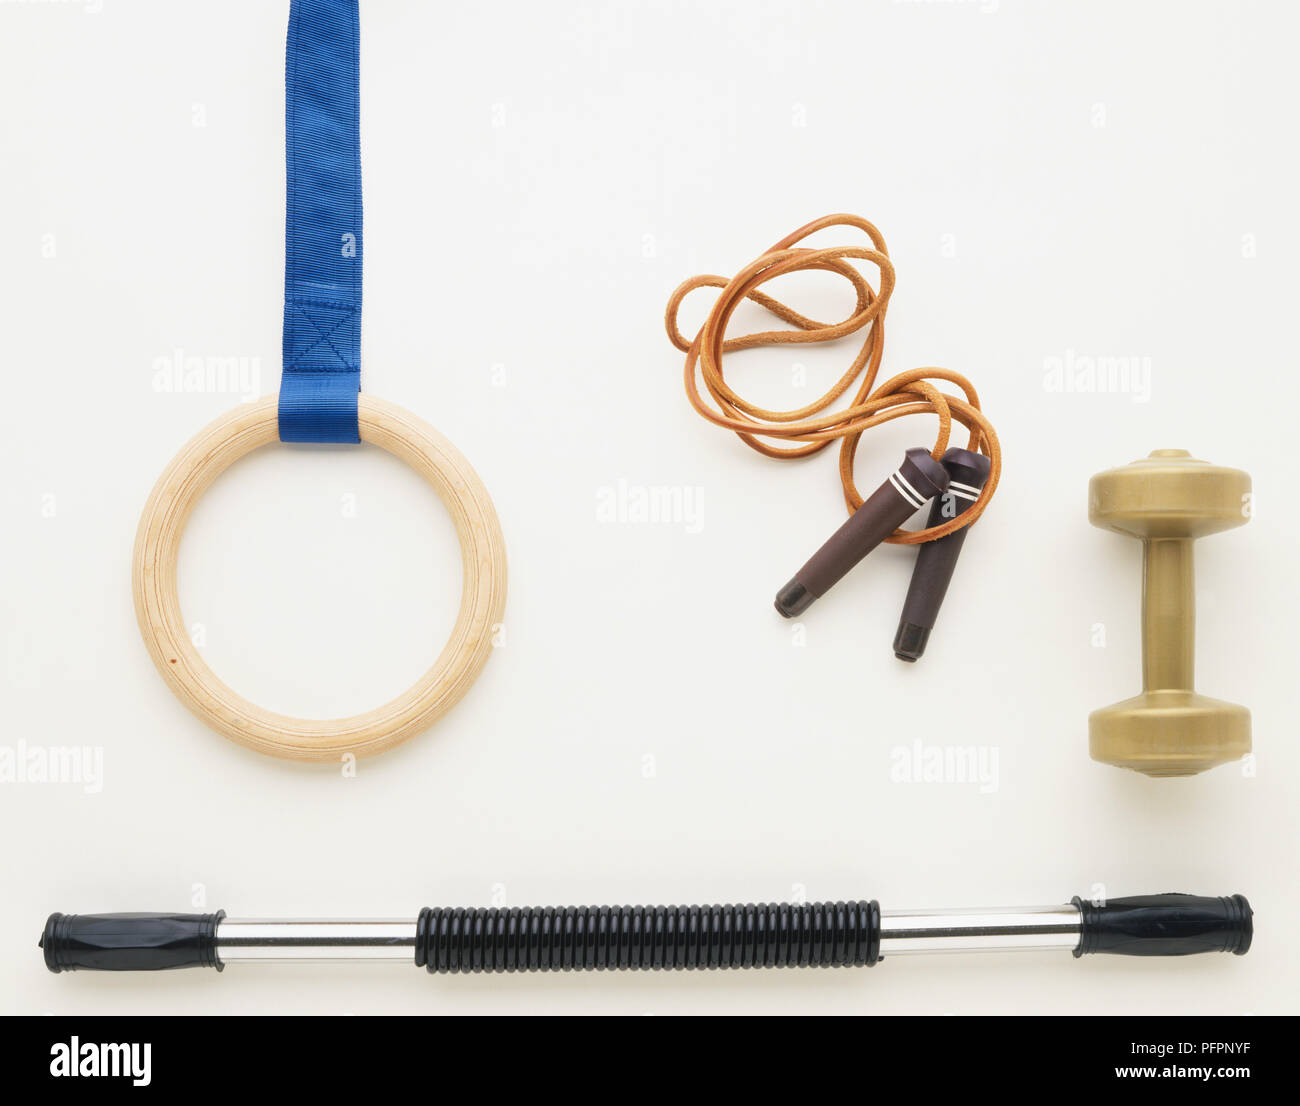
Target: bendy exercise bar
(586,938)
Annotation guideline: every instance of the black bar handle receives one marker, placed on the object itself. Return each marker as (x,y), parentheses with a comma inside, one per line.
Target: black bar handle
(131,942)
(1165,925)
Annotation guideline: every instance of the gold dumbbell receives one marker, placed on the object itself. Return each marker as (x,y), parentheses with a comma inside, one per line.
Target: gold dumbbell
(1168,500)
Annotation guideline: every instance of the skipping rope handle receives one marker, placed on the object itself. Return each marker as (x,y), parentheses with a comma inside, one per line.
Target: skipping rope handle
(908,488)
(936,560)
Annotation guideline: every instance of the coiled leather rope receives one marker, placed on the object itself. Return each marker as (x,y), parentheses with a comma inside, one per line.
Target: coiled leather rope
(602,938)
(814,425)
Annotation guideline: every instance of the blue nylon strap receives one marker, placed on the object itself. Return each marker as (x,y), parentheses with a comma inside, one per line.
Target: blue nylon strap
(322,242)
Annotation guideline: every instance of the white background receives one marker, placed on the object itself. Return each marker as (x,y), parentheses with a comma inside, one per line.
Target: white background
(1053,180)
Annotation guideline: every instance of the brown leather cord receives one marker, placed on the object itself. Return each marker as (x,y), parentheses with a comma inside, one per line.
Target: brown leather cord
(908,393)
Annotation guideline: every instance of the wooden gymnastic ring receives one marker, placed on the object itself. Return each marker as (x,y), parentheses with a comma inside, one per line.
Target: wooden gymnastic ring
(157,602)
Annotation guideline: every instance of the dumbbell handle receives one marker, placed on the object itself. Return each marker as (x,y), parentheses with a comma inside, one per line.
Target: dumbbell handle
(1168,615)
(828,934)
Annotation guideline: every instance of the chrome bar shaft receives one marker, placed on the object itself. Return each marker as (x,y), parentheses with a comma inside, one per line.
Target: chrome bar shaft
(902,933)
(329,939)
(1005,929)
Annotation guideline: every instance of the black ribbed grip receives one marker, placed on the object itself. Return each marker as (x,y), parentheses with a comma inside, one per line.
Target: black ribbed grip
(646,938)
(1165,925)
(130,942)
